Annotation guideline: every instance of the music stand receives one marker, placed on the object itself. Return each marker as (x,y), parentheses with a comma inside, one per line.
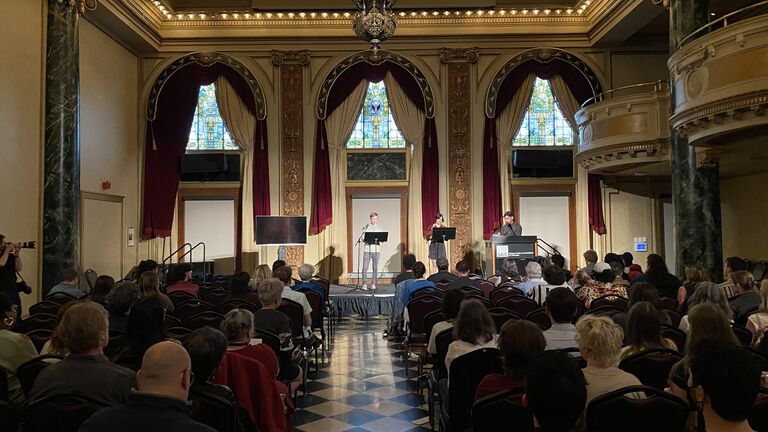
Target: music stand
(441,235)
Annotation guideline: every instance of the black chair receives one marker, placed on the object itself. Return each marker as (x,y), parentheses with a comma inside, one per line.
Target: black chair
(3,388)
(178,333)
(214,296)
(442,341)
(658,411)
(36,322)
(61,298)
(758,414)
(668,303)
(613,300)
(431,319)
(90,278)
(487,303)
(207,318)
(61,413)
(171,321)
(44,307)
(652,366)
(214,411)
(500,293)
(503,408)
(470,291)
(675,335)
(540,318)
(605,310)
(674,317)
(501,315)
(465,375)
(486,287)
(428,292)
(520,306)
(231,304)
(179,297)
(742,334)
(316,303)
(40,337)
(760,270)
(269,339)
(116,346)
(186,310)
(8,418)
(28,371)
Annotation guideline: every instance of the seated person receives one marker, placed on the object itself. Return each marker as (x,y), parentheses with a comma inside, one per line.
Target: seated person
(146,327)
(599,341)
(405,289)
(747,297)
(443,274)
(70,285)
(276,265)
(532,278)
(508,273)
(240,289)
(180,280)
(725,382)
(758,322)
(119,301)
(559,261)
(15,349)
(149,286)
(590,257)
(601,285)
(553,278)
(618,268)
(284,275)
(408,261)
(463,278)
(84,333)
(561,309)
(519,341)
(101,288)
(160,404)
(451,305)
(643,331)
(145,266)
(474,329)
(262,273)
(555,391)
(306,273)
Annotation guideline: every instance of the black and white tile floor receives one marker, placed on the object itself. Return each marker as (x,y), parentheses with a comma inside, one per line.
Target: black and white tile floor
(362,385)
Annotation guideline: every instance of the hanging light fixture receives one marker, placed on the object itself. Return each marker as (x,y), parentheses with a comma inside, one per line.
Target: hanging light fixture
(374,21)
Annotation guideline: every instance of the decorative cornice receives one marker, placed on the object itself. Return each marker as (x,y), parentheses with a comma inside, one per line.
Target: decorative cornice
(206,59)
(290,57)
(82,5)
(631,152)
(702,117)
(374,59)
(451,55)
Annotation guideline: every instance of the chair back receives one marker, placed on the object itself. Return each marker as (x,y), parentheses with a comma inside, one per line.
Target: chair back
(90,278)
(269,339)
(28,371)
(3,396)
(62,413)
(179,332)
(214,411)
(431,319)
(36,322)
(417,310)
(326,284)
(117,345)
(503,408)
(613,300)
(207,318)
(61,298)
(186,310)
(668,303)
(605,310)
(540,318)
(758,414)
(231,304)
(443,286)
(742,334)
(171,321)
(476,296)
(652,366)
(44,307)
(501,315)
(470,291)
(760,270)
(215,296)
(674,317)
(521,306)
(501,293)
(487,287)
(179,297)
(40,337)
(316,302)
(428,292)
(465,375)
(658,411)
(442,341)
(295,313)
(675,335)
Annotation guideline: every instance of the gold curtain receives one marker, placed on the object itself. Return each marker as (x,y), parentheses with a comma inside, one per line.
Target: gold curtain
(410,120)
(565,100)
(242,125)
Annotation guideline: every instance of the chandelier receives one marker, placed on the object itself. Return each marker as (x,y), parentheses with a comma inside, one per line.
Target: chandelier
(374,21)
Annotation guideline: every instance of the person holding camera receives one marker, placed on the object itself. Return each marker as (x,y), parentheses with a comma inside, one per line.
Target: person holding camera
(10,263)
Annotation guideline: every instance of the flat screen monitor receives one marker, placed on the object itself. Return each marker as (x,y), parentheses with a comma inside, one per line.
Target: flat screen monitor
(281,230)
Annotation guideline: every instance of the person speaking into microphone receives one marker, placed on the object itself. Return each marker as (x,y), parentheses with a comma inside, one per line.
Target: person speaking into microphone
(510,228)
(371,252)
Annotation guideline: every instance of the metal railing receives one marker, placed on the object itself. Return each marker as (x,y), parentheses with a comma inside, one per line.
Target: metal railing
(722,20)
(656,85)
(170,257)
(185,254)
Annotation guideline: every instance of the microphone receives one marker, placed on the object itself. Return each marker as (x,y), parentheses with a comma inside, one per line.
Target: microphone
(366,226)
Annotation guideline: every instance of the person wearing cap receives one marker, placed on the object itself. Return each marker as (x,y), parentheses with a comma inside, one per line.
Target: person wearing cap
(602,284)
(510,228)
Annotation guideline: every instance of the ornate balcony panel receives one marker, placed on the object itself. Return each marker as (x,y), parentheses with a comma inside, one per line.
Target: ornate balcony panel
(626,133)
(722,82)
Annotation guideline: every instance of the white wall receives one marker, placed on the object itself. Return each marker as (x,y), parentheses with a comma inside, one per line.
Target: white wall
(547,218)
(388,208)
(213,223)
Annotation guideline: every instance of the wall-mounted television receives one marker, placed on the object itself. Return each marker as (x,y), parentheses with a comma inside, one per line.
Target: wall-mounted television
(281,230)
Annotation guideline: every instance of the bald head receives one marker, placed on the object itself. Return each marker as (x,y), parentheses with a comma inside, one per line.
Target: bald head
(165,370)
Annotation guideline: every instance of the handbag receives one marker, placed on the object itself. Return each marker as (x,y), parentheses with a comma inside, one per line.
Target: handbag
(22,286)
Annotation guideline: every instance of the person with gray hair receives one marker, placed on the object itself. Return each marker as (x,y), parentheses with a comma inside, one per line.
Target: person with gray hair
(306,273)
(119,301)
(443,272)
(532,278)
(707,292)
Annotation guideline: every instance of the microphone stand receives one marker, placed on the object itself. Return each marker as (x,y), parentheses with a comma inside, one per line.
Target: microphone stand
(359,260)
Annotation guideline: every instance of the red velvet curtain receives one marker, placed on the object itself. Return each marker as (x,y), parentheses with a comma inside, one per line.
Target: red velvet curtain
(322,200)
(595,204)
(166,142)
(579,86)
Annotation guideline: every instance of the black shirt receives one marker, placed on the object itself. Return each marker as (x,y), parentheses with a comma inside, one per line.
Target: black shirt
(146,413)
(275,322)
(667,285)
(8,276)
(743,304)
(404,277)
(465,281)
(442,276)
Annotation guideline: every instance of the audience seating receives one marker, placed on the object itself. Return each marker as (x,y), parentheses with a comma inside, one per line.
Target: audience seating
(214,411)
(36,322)
(760,357)
(521,306)
(760,270)
(675,335)
(501,315)
(28,371)
(503,408)
(316,302)
(476,296)
(8,419)
(658,412)
(207,318)
(617,302)
(269,339)
(470,291)
(508,284)
(487,287)
(443,286)
(465,375)
(742,334)
(186,310)
(442,341)
(417,332)
(40,337)
(295,314)
(428,292)
(501,293)
(575,354)
(116,346)
(652,366)
(540,318)
(3,390)
(178,297)
(44,307)
(60,298)
(179,332)
(171,321)
(674,317)
(214,296)
(61,413)
(605,310)
(431,319)
(230,304)
(758,415)
(90,278)
(668,303)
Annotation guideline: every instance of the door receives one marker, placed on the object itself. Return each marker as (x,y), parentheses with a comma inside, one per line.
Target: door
(102,234)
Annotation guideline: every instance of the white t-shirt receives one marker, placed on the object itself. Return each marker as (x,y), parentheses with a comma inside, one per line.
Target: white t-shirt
(301,299)
(459,347)
(437,329)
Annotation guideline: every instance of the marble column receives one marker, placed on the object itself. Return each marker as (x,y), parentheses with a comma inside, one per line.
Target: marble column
(61,181)
(695,190)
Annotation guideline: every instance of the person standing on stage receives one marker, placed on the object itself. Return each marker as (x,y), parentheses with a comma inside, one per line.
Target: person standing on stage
(436,245)
(371,253)
(510,228)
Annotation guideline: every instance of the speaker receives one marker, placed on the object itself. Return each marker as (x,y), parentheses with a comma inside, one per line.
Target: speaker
(205,167)
(542,163)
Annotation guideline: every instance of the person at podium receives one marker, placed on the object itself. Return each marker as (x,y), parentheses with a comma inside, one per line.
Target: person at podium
(510,228)
(436,245)
(371,253)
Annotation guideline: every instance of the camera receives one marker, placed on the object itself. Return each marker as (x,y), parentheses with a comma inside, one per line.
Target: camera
(27,245)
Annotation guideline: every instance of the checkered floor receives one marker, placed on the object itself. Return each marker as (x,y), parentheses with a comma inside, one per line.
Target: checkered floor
(362,385)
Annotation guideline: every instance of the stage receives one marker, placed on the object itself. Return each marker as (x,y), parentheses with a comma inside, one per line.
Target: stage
(364,303)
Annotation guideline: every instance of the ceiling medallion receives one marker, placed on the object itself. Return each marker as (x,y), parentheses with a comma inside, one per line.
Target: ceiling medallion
(374,22)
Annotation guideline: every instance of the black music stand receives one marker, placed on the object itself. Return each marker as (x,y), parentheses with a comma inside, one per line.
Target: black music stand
(441,235)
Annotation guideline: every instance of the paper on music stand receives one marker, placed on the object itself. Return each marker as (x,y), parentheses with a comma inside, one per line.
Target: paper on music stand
(502,251)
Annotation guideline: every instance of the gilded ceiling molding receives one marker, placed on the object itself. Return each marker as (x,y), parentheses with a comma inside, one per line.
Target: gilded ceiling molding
(542,55)
(452,55)
(206,59)
(290,57)
(374,59)
(82,5)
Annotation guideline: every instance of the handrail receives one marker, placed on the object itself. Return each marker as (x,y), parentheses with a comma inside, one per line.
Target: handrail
(723,18)
(169,257)
(189,252)
(657,85)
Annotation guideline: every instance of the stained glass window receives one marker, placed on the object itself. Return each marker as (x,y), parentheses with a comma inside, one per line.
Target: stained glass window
(375,128)
(208,131)
(543,124)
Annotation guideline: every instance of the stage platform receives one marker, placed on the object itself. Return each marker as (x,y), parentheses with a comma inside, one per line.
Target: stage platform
(347,302)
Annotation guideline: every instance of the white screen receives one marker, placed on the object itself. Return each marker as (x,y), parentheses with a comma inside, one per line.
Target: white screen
(388,208)
(213,223)
(547,218)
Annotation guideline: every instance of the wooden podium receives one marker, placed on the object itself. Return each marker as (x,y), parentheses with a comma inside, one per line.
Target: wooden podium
(520,248)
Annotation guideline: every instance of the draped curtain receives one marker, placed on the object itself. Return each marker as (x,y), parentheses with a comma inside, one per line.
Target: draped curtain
(166,141)
(566,101)
(595,204)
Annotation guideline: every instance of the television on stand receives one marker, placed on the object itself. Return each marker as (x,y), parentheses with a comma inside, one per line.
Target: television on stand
(281,230)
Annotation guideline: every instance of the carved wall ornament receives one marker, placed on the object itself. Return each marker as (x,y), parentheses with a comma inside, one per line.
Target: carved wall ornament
(301,57)
(695,82)
(448,55)
(82,5)
(731,109)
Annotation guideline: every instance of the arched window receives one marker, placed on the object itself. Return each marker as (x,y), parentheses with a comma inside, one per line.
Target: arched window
(375,127)
(208,131)
(543,123)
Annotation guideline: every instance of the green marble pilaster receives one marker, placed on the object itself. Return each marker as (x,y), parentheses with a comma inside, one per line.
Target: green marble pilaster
(61,181)
(695,191)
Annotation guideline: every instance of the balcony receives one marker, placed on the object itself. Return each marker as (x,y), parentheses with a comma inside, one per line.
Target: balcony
(626,131)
